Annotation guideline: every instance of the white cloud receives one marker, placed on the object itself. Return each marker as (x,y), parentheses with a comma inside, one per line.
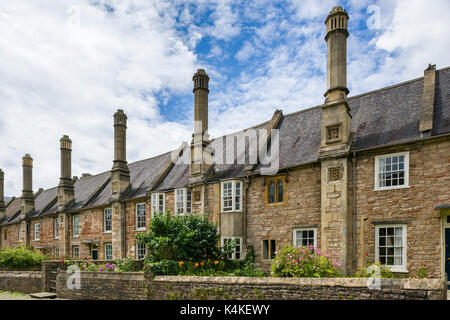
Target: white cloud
(60,78)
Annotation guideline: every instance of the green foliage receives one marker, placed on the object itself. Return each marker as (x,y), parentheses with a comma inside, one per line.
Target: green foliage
(305,262)
(189,237)
(126,265)
(21,257)
(422,273)
(164,267)
(373,269)
(90,265)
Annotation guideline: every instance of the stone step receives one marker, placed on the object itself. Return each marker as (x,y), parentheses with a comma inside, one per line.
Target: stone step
(43,295)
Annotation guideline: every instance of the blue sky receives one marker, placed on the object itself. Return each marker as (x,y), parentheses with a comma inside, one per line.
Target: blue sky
(66,66)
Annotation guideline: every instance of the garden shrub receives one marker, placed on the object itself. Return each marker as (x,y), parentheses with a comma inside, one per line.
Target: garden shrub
(305,262)
(370,268)
(181,238)
(21,258)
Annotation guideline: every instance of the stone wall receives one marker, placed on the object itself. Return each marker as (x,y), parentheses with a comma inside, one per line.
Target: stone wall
(225,288)
(140,286)
(103,286)
(21,281)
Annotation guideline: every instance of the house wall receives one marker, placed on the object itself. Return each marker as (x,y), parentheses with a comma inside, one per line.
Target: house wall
(301,208)
(429,167)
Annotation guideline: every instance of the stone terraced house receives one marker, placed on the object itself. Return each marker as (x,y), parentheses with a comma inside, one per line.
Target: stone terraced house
(368,174)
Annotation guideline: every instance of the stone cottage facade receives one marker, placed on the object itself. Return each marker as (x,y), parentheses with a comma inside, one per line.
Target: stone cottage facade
(362,175)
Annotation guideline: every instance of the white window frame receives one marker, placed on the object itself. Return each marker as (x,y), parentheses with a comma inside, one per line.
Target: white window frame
(37,231)
(377,171)
(393,268)
(108,245)
(234,203)
(233,255)
(104,220)
(155,205)
(136,216)
(186,209)
(56,227)
(73,251)
(138,248)
(75,226)
(294,235)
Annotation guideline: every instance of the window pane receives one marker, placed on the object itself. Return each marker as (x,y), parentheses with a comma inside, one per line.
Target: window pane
(266,249)
(272,193)
(280,192)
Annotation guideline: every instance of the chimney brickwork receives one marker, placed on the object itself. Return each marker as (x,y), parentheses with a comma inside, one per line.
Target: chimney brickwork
(2,195)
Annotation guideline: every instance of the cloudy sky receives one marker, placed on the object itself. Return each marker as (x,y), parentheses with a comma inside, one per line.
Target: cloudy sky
(66,66)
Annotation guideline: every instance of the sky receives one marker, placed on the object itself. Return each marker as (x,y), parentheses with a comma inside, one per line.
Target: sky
(67,66)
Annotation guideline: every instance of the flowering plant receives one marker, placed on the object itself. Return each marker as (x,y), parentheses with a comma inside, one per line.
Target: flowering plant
(305,262)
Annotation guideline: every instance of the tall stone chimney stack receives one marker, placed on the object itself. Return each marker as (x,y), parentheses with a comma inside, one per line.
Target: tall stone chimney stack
(336,214)
(2,195)
(120,174)
(27,202)
(201,156)
(65,187)
(336,38)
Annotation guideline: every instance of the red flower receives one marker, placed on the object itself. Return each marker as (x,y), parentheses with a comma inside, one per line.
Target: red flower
(366,254)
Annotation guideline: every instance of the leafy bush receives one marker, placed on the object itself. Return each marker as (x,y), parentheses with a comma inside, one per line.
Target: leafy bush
(21,257)
(181,238)
(90,265)
(305,262)
(371,268)
(126,265)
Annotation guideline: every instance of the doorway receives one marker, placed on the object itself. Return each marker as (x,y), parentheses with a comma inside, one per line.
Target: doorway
(94,252)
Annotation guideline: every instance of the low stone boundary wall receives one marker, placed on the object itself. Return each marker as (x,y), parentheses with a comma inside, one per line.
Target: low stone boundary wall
(140,286)
(21,281)
(177,287)
(103,286)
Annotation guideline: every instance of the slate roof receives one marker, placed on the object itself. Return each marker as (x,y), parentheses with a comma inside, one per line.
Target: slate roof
(382,117)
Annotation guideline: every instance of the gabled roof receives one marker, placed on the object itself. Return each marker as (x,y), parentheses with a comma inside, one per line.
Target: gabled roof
(383,117)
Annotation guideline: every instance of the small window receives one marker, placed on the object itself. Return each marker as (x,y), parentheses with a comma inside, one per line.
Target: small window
(56,227)
(231,196)
(140,216)
(183,201)
(305,237)
(75,226)
(275,190)
(75,251)
(237,252)
(392,171)
(269,249)
(158,204)
(390,250)
(107,219)
(141,250)
(108,251)
(37,231)
(57,252)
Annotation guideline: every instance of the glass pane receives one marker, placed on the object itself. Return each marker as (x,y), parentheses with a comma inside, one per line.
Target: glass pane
(280,192)
(272,193)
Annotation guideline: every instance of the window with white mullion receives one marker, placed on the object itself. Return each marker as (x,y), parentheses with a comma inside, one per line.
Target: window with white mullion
(183,201)
(140,216)
(305,237)
(158,204)
(231,196)
(391,246)
(392,171)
